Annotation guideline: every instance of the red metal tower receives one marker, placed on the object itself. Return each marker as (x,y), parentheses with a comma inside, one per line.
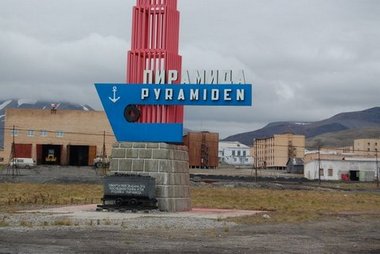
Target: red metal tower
(154,46)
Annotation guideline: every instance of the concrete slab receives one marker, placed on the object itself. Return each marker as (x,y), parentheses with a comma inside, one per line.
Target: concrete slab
(89,212)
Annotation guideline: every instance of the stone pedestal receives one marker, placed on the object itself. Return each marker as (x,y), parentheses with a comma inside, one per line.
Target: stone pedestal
(168,164)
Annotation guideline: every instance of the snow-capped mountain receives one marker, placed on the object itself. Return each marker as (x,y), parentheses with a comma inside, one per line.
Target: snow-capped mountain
(34,104)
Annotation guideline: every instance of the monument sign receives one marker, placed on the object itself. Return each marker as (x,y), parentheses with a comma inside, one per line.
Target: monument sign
(147,110)
(149,107)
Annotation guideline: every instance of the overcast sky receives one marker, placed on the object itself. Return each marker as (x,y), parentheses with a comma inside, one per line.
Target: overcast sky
(307,60)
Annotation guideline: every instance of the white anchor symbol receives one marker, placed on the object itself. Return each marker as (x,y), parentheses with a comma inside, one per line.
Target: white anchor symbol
(114,99)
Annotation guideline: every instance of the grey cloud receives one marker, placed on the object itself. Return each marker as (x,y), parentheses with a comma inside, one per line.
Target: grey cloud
(60,69)
(307,60)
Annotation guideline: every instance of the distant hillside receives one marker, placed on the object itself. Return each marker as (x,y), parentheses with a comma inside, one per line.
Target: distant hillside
(366,119)
(342,138)
(33,104)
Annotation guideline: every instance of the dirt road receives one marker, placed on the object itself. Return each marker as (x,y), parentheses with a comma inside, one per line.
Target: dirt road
(69,174)
(333,235)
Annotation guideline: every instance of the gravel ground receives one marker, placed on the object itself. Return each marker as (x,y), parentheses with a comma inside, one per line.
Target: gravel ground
(179,235)
(133,220)
(66,174)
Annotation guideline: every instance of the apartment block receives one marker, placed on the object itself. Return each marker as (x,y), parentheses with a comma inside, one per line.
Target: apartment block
(367,146)
(274,152)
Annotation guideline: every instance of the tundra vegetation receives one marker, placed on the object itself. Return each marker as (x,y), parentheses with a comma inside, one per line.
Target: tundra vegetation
(279,205)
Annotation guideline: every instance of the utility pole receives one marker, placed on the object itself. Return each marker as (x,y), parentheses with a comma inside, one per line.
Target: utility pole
(104,153)
(104,146)
(377,170)
(256,164)
(13,151)
(319,165)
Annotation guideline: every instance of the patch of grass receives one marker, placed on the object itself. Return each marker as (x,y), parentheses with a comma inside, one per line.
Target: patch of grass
(25,223)
(226,229)
(17,195)
(107,222)
(63,222)
(349,185)
(3,222)
(285,205)
(44,224)
(212,233)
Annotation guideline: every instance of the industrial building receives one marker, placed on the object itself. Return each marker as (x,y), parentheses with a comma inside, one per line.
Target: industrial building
(234,153)
(329,153)
(367,147)
(295,166)
(353,169)
(57,137)
(203,149)
(274,152)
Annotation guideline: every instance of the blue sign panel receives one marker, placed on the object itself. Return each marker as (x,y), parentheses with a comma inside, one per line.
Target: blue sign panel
(117,97)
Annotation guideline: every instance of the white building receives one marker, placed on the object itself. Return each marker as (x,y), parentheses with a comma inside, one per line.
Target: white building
(354,169)
(234,153)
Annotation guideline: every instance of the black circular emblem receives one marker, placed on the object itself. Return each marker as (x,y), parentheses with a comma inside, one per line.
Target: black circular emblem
(132,113)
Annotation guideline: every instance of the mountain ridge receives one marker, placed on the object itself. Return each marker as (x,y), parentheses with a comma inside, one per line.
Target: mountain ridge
(368,118)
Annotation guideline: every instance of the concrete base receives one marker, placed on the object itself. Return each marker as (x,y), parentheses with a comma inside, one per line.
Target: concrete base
(168,164)
(89,212)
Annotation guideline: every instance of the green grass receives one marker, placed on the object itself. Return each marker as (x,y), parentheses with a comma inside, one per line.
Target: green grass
(63,222)
(280,205)
(340,185)
(3,222)
(25,223)
(286,205)
(15,196)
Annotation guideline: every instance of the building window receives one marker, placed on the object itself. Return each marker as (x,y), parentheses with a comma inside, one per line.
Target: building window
(244,153)
(43,133)
(330,172)
(368,149)
(30,133)
(59,134)
(14,133)
(233,152)
(238,153)
(321,172)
